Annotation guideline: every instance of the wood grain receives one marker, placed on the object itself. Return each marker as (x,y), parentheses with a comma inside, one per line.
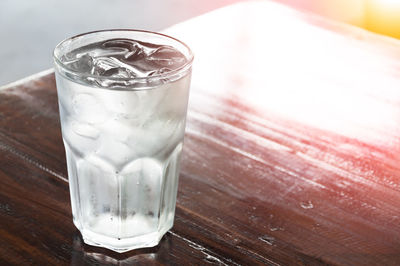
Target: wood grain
(291,151)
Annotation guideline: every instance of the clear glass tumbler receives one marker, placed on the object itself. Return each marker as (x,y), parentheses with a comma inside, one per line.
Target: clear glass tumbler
(123,138)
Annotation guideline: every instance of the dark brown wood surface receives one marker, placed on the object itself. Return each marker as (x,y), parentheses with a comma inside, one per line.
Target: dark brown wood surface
(291,153)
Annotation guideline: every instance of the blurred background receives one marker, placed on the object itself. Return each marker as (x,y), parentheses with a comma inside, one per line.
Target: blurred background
(31,29)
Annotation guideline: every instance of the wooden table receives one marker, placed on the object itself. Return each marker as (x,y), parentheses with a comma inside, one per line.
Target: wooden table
(291,154)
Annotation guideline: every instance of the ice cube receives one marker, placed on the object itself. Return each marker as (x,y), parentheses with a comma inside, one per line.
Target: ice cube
(112,67)
(114,152)
(135,107)
(124,44)
(117,130)
(155,137)
(121,104)
(132,48)
(94,50)
(81,138)
(85,130)
(82,64)
(100,164)
(172,96)
(88,108)
(123,58)
(166,57)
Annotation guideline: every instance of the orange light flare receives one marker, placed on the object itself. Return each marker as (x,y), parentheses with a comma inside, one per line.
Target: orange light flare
(383,16)
(277,62)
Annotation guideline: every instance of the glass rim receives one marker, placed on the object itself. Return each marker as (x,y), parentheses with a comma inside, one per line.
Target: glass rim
(69,70)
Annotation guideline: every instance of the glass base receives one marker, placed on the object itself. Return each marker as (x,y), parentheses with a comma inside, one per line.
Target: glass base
(125,244)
